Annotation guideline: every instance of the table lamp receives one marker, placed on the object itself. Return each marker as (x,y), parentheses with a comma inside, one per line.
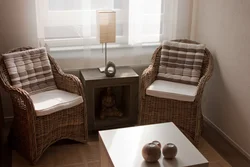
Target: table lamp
(106,30)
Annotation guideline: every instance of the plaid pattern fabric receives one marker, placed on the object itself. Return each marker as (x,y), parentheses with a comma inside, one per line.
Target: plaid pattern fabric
(181,62)
(30,70)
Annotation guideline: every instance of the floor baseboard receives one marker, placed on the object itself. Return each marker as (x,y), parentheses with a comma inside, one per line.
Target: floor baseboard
(231,141)
(222,143)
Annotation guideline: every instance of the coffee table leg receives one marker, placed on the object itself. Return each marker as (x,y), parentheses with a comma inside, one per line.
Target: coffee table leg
(104,157)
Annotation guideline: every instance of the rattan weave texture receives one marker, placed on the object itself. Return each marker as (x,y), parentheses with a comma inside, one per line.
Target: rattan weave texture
(186,115)
(32,135)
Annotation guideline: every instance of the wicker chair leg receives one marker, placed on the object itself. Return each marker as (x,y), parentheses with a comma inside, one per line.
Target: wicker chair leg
(198,129)
(39,155)
(11,142)
(139,119)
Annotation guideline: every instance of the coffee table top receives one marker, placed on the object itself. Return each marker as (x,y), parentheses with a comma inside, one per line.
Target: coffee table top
(124,146)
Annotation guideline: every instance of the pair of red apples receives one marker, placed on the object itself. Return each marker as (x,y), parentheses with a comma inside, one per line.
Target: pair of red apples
(151,152)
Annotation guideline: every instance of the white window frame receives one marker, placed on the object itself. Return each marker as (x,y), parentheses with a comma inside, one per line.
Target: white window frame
(79,41)
(162,26)
(72,42)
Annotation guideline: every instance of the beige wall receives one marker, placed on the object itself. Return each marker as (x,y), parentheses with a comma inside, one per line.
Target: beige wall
(224,25)
(17,24)
(17,28)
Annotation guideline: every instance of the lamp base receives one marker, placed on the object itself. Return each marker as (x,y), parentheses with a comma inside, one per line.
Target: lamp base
(102,69)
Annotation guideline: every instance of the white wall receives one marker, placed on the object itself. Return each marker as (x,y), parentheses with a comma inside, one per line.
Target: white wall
(184,17)
(17,28)
(17,24)
(224,26)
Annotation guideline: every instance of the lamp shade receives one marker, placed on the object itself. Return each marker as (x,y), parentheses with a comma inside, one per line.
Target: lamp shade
(106,26)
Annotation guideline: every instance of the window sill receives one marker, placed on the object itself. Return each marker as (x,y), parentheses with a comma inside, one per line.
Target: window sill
(99,47)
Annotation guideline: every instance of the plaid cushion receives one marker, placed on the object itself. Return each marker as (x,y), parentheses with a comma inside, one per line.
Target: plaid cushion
(181,62)
(30,70)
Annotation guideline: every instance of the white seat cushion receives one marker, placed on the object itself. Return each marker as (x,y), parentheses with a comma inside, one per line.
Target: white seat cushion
(172,90)
(49,102)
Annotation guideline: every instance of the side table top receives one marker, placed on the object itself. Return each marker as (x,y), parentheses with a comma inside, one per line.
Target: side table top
(95,74)
(124,146)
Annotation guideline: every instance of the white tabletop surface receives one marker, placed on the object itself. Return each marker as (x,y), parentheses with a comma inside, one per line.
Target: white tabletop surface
(124,146)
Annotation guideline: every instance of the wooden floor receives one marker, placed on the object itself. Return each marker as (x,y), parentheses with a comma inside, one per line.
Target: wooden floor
(87,155)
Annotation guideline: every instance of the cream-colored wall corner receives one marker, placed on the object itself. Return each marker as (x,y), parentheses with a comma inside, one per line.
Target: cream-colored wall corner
(224,26)
(225,136)
(184,19)
(1,27)
(194,23)
(18,23)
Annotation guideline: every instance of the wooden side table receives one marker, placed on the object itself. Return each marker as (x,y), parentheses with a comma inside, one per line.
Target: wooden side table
(124,85)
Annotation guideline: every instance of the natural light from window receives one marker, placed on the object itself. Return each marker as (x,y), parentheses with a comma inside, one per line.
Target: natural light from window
(73,22)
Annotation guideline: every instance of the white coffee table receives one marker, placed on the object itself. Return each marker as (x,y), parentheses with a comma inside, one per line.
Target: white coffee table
(122,147)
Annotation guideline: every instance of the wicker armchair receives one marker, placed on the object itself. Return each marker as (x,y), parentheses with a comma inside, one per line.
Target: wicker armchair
(31,134)
(186,115)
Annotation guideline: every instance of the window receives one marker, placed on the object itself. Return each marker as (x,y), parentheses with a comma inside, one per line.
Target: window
(145,19)
(73,22)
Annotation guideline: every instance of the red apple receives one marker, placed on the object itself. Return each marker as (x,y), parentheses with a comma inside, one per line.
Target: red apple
(157,143)
(151,152)
(169,151)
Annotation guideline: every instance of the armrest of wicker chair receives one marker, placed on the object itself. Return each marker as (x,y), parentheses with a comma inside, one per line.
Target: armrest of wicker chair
(21,97)
(149,74)
(67,82)
(205,78)
(24,110)
(147,78)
